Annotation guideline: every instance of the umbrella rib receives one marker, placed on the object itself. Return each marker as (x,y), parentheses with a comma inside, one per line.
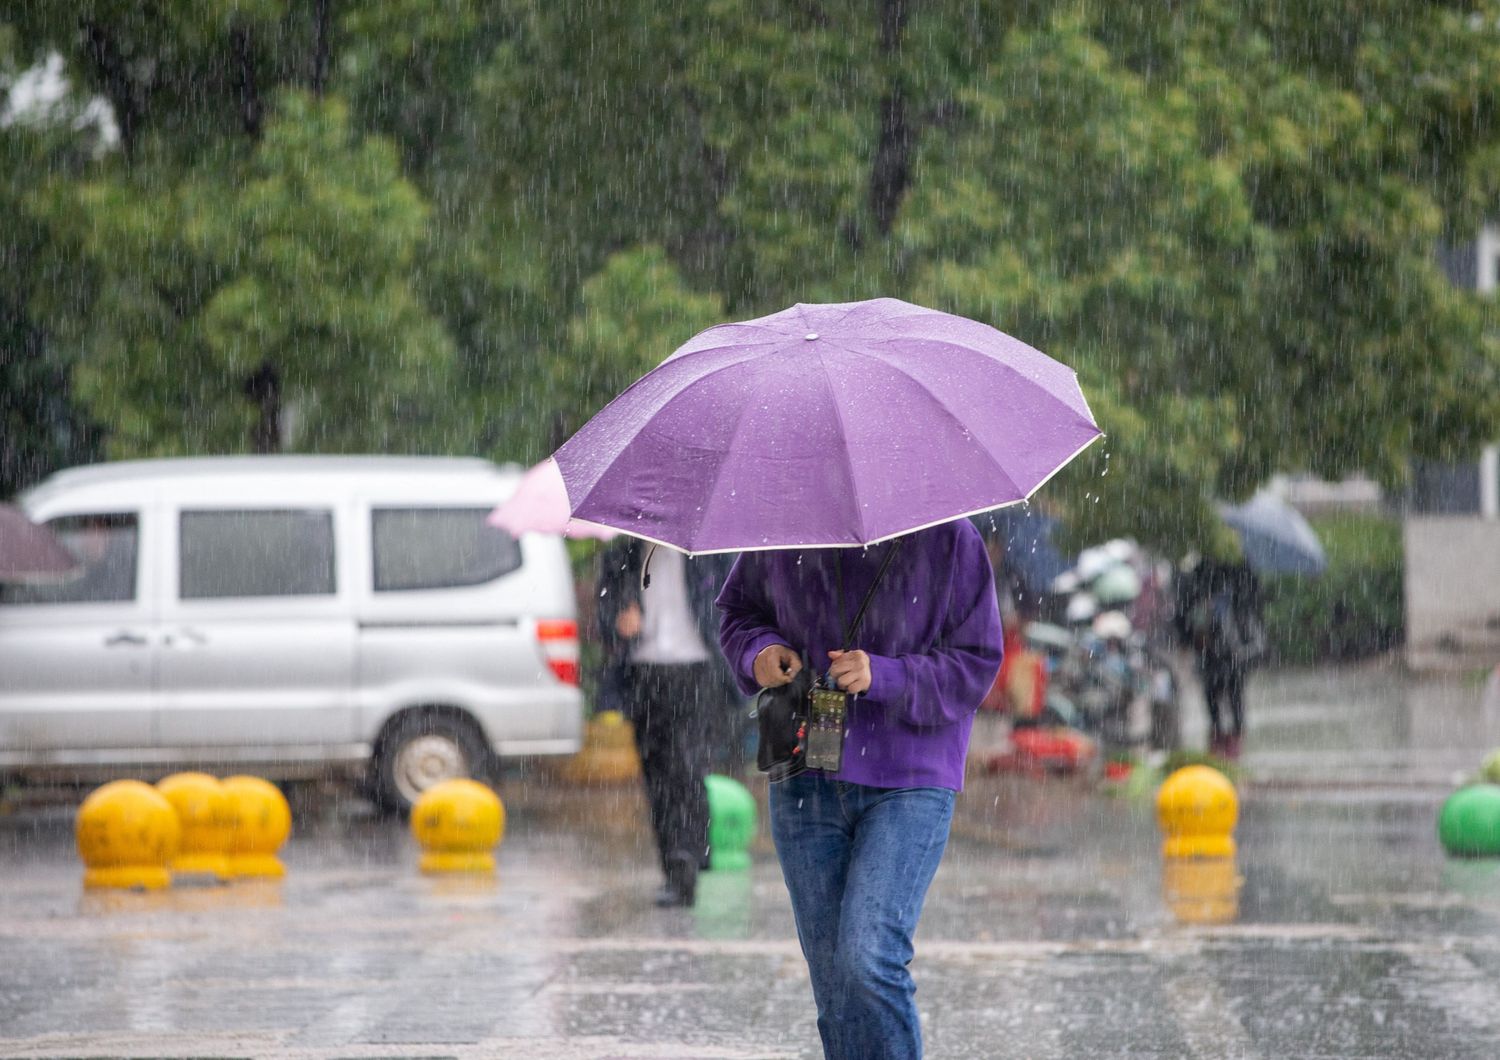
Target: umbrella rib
(997,361)
(944,409)
(717,349)
(802,311)
(720,368)
(604,472)
(1011,369)
(727,451)
(661,400)
(833,400)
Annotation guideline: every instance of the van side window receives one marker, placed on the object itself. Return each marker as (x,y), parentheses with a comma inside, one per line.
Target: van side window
(255,553)
(439,548)
(105,547)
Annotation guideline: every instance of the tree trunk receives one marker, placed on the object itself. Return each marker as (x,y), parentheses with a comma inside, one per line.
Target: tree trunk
(244,60)
(890,175)
(264,388)
(119,89)
(323,23)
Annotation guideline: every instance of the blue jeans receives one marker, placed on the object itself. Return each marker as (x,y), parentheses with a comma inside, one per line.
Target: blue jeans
(858,861)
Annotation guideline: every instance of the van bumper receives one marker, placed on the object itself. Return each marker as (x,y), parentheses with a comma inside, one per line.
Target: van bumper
(536,748)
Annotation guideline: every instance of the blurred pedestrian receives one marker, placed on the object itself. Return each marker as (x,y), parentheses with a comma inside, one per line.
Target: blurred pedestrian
(665,674)
(1219,616)
(859,846)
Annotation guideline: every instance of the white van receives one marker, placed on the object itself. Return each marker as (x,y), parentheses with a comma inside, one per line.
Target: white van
(288,615)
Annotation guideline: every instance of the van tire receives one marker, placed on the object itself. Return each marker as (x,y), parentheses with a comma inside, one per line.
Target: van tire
(422,748)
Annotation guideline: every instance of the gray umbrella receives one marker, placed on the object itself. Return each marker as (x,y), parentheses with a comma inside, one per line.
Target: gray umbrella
(28,551)
(1275,537)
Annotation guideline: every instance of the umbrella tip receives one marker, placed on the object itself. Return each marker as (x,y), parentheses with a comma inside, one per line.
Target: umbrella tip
(810,336)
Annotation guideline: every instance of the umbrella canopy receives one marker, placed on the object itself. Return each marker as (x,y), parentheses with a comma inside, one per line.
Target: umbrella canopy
(1275,537)
(540,505)
(826,426)
(29,551)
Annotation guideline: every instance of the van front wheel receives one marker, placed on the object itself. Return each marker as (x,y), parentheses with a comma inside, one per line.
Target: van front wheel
(421,750)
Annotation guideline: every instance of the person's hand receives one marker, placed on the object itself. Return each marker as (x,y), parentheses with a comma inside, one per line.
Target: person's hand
(776,665)
(628,621)
(850,671)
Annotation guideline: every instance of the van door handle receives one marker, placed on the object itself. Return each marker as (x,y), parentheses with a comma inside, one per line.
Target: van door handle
(191,636)
(123,637)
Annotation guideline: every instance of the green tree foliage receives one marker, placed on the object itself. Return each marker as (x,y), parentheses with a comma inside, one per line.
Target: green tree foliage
(1224,214)
(246,263)
(281,267)
(40,427)
(632,313)
(1131,269)
(1355,609)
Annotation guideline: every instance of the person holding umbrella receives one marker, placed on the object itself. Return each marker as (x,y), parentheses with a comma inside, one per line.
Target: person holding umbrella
(1220,607)
(1219,616)
(860,846)
(840,448)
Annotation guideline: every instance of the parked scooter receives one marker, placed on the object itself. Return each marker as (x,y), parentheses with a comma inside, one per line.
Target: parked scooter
(1105,676)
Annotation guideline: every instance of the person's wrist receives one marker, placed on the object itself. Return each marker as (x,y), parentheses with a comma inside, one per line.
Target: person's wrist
(887,679)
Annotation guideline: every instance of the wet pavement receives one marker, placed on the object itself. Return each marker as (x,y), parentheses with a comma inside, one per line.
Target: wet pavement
(1052,929)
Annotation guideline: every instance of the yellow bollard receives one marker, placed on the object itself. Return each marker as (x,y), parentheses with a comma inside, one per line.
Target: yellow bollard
(1201,890)
(204,813)
(608,755)
(1197,809)
(457,823)
(261,823)
(127,832)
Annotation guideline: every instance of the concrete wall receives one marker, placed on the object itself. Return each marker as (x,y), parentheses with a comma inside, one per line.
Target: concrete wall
(1452,592)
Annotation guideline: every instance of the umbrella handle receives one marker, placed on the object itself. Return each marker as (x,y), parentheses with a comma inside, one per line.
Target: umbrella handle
(859,615)
(646,567)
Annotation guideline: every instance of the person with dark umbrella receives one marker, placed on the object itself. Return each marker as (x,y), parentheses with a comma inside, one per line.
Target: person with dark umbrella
(1219,617)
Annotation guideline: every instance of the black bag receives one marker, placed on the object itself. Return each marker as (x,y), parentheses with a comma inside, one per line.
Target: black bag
(781,712)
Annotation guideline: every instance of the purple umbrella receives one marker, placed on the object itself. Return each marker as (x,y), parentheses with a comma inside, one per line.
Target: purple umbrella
(29,551)
(826,426)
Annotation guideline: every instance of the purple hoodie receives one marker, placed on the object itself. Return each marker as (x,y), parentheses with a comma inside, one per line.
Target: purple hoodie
(932,633)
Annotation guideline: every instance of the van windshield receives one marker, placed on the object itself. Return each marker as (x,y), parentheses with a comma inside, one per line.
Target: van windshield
(439,548)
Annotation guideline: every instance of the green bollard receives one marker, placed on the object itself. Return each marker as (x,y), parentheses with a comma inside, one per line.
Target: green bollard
(1469,822)
(731,823)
